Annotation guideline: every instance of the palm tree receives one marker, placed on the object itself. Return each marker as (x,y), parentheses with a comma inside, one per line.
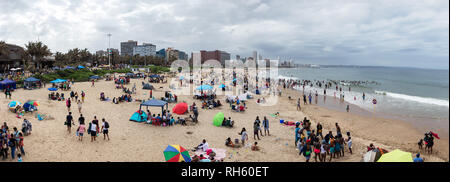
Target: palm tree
(38,51)
(4,49)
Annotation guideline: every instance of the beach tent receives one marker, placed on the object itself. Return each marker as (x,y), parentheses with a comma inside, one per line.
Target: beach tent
(139,117)
(371,156)
(204,87)
(243,97)
(68,67)
(52,89)
(180,108)
(154,76)
(94,77)
(396,156)
(7,82)
(29,106)
(30,81)
(148,87)
(176,153)
(80,67)
(218,119)
(56,68)
(58,81)
(154,103)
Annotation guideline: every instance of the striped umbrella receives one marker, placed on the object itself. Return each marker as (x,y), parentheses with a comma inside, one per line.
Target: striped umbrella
(176,153)
(14,104)
(34,103)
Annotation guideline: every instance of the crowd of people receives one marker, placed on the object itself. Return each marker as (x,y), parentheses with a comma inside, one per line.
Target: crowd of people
(94,129)
(12,141)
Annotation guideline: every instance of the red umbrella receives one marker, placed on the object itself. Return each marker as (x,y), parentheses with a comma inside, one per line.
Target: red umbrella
(180,108)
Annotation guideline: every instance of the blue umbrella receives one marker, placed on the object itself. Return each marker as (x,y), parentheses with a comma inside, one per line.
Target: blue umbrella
(222,86)
(181,77)
(204,87)
(53,89)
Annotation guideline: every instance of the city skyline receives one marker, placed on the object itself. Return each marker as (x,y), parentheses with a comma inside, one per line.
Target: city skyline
(400,33)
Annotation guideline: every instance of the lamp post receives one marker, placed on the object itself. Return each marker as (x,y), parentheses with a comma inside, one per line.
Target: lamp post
(109,49)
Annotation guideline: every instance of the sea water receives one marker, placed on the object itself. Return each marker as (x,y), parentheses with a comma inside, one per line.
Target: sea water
(420,96)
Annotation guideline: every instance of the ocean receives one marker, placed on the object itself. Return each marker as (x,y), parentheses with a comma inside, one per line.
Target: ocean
(418,96)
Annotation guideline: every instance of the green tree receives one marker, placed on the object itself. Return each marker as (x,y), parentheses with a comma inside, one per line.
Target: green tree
(37,51)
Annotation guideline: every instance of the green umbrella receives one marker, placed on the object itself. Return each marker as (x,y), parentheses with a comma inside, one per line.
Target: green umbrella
(218,119)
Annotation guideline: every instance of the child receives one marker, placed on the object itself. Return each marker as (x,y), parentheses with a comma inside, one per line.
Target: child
(420,144)
(255,147)
(19,158)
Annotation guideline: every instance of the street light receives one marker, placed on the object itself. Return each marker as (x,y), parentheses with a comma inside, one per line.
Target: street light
(109,49)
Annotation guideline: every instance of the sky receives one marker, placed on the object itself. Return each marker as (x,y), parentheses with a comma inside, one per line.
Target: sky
(407,33)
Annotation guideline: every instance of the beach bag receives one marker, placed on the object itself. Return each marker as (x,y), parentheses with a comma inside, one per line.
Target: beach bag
(89,129)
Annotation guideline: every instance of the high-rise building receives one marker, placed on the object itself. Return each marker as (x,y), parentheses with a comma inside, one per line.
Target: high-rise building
(255,55)
(126,48)
(144,50)
(238,57)
(218,55)
(161,53)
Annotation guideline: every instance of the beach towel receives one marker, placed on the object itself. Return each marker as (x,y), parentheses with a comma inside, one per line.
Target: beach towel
(220,153)
(273,115)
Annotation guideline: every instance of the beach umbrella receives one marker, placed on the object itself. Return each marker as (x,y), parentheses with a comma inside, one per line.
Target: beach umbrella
(176,153)
(222,86)
(14,104)
(32,102)
(180,108)
(218,119)
(53,89)
(396,156)
(181,77)
(204,87)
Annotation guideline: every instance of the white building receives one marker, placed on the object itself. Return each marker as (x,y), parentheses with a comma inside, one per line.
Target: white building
(145,50)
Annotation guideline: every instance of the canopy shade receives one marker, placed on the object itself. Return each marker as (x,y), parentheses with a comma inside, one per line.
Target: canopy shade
(154,76)
(204,87)
(154,103)
(31,79)
(58,81)
(94,77)
(7,82)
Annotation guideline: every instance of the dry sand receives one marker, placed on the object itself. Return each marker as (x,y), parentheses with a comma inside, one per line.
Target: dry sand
(136,142)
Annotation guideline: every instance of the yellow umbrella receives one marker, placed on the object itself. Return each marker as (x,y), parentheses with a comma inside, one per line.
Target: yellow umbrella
(396,156)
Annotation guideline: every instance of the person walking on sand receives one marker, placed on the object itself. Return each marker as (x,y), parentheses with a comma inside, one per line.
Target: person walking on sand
(81,129)
(259,125)
(82,96)
(93,83)
(69,121)
(105,129)
(93,130)
(79,106)
(266,126)
(68,104)
(298,104)
(244,136)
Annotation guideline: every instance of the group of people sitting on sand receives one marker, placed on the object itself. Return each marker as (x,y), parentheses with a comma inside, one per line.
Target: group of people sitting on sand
(56,96)
(166,119)
(204,148)
(63,86)
(211,104)
(169,97)
(123,98)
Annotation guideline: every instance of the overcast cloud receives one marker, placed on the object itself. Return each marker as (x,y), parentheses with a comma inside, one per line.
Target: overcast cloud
(382,33)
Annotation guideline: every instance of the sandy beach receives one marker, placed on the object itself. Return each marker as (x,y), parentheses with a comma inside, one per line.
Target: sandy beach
(139,142)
